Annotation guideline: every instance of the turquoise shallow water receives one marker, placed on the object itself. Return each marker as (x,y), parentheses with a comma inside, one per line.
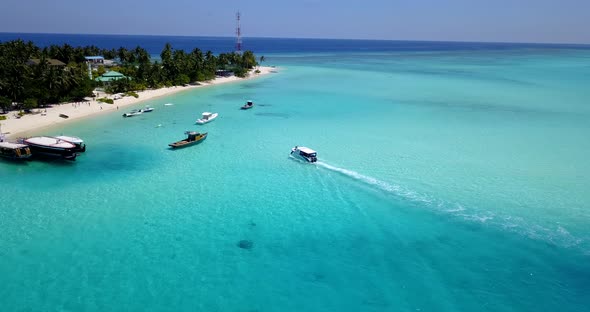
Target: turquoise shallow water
(447,181)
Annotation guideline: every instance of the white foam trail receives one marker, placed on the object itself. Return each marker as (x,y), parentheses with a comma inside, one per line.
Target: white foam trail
(381,185)
(559,236)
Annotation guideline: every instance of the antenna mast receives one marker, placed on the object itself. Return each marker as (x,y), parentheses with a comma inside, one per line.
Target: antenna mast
(238,34)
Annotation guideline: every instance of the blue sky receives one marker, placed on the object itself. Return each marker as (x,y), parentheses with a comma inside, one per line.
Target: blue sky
(560,21)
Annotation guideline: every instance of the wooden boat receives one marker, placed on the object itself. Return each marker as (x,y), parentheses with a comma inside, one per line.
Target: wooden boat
(248,105)
(51,147)
(193,138)
(14,151)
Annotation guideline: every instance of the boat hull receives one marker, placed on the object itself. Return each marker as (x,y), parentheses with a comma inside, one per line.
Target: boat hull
(16,153)
(204,121)
(50,152)
(185,143)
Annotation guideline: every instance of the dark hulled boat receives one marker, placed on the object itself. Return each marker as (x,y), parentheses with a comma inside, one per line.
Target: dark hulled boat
(192,139)
(51,147)
(248,105)
(14,151)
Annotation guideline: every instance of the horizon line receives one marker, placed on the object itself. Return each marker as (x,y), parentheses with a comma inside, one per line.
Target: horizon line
(309,38)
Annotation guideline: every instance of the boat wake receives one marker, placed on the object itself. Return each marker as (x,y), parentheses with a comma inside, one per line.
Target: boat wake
(384,186)
(556,236)
(392,189)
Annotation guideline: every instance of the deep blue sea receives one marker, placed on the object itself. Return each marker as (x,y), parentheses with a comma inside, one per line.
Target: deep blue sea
(451,177)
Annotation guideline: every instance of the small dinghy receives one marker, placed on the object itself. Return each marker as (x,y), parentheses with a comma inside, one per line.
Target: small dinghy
(132,113)
(248,105)
(147,109)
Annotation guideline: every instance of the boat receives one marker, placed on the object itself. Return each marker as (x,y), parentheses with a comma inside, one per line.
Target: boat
(248,105)
(147,109)
(51,147)
(207,117)
(132,113)
(64,116)
(14,151)
(304,153)
(79,143)
(168,104)
(193,138)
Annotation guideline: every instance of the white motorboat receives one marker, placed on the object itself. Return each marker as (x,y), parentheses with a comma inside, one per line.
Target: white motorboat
(50,146)
(207,117)
(79,143)
(304,153)
(147,109)
(132,113)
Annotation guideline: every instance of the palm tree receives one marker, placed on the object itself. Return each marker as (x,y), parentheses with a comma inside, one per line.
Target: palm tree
(262,59)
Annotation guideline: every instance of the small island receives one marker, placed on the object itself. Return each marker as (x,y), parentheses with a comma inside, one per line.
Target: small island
(91,79)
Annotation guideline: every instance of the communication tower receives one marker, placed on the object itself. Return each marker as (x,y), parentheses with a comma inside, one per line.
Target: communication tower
(238,34)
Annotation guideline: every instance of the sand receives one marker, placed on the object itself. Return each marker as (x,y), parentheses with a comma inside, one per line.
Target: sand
(31,123)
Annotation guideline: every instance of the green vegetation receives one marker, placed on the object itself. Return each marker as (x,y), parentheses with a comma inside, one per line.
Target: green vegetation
(131,93)
(2,117)
(105,100)
(30,77)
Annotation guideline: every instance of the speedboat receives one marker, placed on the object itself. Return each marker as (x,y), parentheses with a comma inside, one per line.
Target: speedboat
(79,143)
(207,117)
(248,105)
(304,153)
(132,113)
(14,151)
(51,147)
(193,138)
(147,109)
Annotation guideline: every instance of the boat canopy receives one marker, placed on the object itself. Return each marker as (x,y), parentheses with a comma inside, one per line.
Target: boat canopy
(207,114)
(306,150)
(11,145)
(70,139)
(49,141)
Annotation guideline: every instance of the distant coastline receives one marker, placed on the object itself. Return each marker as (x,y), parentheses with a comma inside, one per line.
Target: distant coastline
(50,116)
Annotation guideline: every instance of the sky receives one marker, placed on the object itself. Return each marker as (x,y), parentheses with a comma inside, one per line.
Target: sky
(555,21)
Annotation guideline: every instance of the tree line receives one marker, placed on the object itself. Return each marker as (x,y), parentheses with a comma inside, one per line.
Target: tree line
(31,85)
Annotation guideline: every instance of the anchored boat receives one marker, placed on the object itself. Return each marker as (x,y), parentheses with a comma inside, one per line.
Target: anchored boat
(207,117)
(147,109)
(304,153)
(14,151)
(193,138)
(51,147)
(79,143)
(248,105)
(132,113)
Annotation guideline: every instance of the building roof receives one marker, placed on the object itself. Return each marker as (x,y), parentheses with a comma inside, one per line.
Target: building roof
(110,76)
(94,57)
(50,62)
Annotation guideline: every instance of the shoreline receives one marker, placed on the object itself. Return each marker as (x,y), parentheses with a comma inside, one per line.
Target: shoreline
(18,127)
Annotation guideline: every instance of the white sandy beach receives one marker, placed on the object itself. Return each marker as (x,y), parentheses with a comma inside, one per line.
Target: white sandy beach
(17,127)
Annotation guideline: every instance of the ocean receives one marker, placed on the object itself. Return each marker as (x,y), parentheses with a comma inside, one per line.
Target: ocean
(451,177)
